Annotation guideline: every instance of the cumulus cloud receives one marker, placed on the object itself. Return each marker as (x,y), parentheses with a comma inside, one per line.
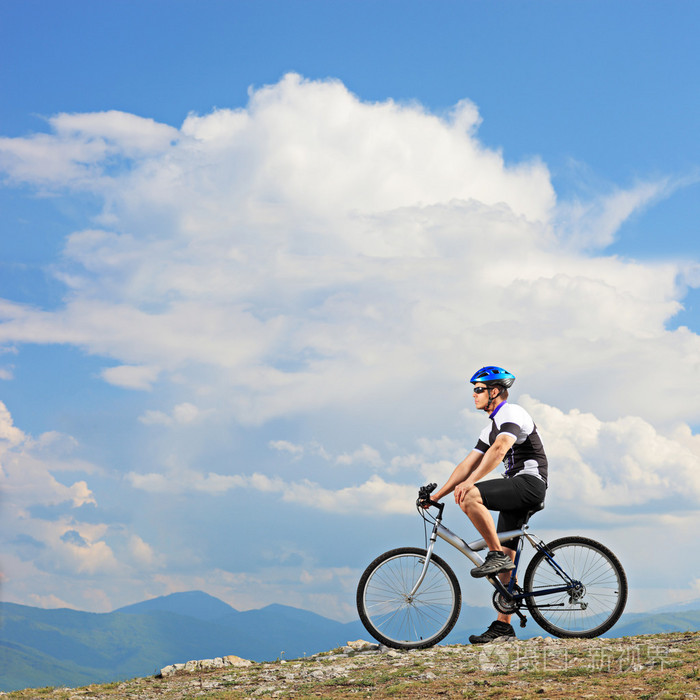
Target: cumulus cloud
(75,153)
(619,463)
(47,522)
(286,446)
(594,224)
(312,251)
(365,454)
(131,377)
(373,496)
(182,414)
(596,465)
(27,475)
(312,254)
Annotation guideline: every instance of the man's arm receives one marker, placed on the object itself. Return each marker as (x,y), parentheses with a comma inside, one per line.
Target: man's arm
(490,460)
(461,472)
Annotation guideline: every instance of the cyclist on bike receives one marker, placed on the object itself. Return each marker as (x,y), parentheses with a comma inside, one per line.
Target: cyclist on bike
(511,438)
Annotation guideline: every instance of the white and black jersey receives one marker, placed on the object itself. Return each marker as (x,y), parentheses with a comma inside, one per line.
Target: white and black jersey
(527,455)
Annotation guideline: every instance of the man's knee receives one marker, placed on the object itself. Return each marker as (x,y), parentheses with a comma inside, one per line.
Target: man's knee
(471,499)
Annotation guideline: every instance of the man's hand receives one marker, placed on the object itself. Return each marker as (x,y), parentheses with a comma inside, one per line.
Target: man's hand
(424,500)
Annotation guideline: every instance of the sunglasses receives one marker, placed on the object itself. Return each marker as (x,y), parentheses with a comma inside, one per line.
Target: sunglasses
(480,389)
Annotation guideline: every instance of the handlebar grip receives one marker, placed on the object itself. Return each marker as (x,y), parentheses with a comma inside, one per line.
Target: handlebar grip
(424,494)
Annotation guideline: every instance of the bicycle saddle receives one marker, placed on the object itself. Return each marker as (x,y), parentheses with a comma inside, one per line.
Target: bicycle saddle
(532,511)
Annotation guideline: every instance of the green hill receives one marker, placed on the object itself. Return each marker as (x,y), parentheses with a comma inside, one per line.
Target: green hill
(68,647)
(659,623)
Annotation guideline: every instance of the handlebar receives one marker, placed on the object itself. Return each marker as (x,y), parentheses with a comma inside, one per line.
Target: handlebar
(424,499)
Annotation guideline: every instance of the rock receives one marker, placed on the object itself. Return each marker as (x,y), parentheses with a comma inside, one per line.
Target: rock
(170,670)
(362,645)
(203,665)
(232,660)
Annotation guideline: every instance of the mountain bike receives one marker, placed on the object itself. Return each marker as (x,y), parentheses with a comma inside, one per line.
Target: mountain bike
(409,598)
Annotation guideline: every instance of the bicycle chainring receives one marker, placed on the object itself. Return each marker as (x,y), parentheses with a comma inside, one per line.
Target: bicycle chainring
(507,607)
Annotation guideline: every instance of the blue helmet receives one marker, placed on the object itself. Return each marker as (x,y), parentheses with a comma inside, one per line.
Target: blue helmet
(493,376)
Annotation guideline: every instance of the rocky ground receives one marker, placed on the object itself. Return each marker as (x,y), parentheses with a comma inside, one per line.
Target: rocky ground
(662,667)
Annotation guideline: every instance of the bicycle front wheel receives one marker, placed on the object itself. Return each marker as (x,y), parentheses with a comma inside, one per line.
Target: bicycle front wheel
(596,588)
(394,617)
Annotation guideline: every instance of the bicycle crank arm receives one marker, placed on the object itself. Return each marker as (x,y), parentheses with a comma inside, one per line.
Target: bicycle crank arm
(523,619)
(496,583)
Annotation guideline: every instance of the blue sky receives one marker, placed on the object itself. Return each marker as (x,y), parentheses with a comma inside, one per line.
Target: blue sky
(251,251)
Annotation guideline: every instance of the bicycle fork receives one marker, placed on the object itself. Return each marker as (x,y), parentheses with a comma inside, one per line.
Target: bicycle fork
(426,563)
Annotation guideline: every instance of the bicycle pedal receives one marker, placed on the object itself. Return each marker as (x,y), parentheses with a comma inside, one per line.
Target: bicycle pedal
(523,619)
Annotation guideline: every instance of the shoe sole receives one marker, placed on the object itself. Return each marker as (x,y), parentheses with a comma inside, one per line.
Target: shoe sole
(504,638)
(480,574)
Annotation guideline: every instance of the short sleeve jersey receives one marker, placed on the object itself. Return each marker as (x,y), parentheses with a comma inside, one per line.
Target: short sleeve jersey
(527,455)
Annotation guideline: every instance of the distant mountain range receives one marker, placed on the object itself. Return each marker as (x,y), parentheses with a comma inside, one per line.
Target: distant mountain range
(679,607)
(64,647)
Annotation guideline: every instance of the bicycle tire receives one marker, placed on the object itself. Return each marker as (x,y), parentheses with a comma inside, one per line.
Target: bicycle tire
(394,620)
(594,608)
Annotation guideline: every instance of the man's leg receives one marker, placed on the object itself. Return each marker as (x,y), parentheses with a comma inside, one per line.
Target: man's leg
(505,579)
(496,560)
(473,506)
(512,497)
(501,629)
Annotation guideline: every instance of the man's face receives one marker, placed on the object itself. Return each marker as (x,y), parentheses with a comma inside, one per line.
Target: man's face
(481,398)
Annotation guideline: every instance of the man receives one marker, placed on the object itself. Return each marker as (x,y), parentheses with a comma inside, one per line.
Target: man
(511,438)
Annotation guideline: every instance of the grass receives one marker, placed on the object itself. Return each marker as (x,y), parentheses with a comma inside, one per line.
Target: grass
(662,667)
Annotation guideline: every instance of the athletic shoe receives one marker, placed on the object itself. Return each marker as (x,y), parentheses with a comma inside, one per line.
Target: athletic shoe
(497,632)
(494,564)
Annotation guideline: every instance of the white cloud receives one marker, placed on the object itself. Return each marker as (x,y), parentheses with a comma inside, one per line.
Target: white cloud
(182,414)
(10,435)
(48,526)
(373,496)
(619,463)
(595,464)
(315,255)
(364,454)
(177,478)
(75,154)
(27,475)
(143,553)
(131,377)
(125,133)
(594,224)
(315,252)
(286,446)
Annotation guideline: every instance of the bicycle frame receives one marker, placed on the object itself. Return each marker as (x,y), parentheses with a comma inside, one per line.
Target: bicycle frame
(410,597)
(470,550)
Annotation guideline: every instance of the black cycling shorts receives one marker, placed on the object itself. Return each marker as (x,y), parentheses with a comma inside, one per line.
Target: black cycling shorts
(513,498)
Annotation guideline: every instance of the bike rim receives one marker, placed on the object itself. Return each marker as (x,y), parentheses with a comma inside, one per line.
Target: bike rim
(588,608)
(394,615)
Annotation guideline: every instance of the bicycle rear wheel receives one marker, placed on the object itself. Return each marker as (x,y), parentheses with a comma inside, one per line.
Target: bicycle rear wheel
(397,620)
(589,607)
